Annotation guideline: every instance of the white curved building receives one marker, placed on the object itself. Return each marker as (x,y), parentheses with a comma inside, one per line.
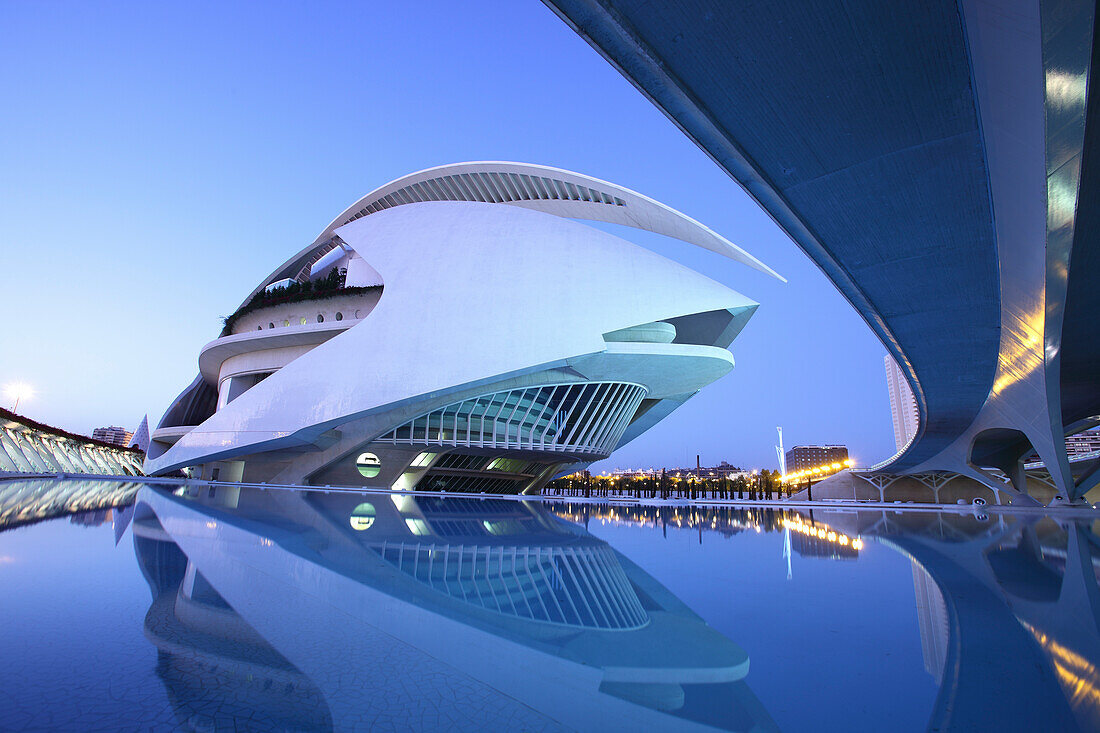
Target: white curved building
(460,333)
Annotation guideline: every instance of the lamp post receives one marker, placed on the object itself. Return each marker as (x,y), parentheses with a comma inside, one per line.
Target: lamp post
(17,391)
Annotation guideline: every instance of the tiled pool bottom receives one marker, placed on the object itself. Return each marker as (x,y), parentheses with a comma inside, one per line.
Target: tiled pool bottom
(282,610)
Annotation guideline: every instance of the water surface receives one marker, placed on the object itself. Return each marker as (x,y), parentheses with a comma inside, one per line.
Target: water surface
(240,609)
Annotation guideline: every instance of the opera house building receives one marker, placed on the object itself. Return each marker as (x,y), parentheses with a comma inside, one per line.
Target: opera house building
(458,330)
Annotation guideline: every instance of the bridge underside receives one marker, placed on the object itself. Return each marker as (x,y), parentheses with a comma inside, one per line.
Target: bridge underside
(938,162)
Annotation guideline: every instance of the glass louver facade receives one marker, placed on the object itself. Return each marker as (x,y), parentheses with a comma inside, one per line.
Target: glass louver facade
(585,419)
(582,586)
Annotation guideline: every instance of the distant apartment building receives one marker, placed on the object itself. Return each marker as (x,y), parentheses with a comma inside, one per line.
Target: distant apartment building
(93,518)
(903,404)
(723,470)
(803,457)
(1084,442)
(811,546)
(113,435)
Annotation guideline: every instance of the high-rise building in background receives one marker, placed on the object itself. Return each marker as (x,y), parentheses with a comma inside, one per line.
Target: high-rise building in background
(903,404)
(803,457)
(113,435)
(903,412)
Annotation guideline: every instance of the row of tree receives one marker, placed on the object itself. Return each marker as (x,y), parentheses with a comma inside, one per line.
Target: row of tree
(763,485)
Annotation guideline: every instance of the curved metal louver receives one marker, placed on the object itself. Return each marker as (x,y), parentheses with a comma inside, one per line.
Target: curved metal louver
(491,187)
(574,586)
(587,418)
(483,186)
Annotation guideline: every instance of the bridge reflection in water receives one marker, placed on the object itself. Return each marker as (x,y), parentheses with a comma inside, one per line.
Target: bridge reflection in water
(1008,606)
(335,610)
(1020,589)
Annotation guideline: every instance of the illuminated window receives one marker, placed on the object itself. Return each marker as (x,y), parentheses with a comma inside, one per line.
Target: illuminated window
(362,516)
(302,321)
(511,465)
(286,323)
(404,504)
(417,526)
(339,316)
(369,465)
(422,460)
(503,527)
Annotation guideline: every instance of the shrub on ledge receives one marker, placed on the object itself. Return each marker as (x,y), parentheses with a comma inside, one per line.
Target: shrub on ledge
(295,292)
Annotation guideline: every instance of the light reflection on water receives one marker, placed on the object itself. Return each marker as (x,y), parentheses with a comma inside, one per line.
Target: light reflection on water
(285,610)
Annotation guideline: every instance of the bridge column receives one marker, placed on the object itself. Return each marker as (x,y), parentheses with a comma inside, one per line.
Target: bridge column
(1019,498)
(1088,481)
(1053,454)
(1079,600)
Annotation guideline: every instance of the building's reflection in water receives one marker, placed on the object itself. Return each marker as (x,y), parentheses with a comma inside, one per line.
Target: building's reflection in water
(25,501)
(218,672)
(308,610)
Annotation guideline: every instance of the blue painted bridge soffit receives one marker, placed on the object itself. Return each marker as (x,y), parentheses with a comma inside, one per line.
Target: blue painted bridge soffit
(854,124)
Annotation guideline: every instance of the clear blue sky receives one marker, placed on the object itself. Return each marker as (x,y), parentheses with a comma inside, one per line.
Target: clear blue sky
(158,159)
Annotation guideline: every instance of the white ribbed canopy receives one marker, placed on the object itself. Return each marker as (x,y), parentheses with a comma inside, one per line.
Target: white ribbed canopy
(550,190)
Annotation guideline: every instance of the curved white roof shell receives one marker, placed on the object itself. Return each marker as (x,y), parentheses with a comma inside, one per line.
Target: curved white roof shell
(542,188)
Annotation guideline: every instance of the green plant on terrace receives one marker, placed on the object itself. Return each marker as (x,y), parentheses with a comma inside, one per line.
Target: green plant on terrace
(295,292)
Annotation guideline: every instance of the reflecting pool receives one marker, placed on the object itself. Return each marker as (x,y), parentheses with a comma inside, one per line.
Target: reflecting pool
(236,608)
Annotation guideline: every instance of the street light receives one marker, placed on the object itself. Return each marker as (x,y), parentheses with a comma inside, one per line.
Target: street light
(17,391)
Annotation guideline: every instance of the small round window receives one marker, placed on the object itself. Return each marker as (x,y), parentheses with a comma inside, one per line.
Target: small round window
(259,328)
(368,464)
(302,321)
(339,316)
(286,323)
(357,314)
(320,318)
(271,325)
(362,516)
